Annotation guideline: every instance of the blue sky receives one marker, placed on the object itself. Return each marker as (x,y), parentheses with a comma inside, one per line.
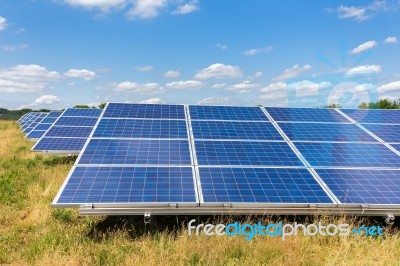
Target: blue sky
(58,53)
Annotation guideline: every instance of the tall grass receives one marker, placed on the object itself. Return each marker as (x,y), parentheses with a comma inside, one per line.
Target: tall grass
(31,232)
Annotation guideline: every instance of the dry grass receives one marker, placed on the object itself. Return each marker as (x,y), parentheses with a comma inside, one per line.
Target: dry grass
(33,233)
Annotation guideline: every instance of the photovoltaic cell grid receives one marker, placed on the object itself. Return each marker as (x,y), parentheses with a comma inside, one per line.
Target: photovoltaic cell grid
(35,122)
(374,116)
(28,122)
(149,111)
(226,113)
(40,129)
(388,133)
(306,115)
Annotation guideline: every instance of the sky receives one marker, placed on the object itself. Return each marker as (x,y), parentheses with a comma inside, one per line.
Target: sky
(58,53)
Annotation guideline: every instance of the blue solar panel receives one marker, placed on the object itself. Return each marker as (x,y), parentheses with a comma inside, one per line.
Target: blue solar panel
(118,151)
(49,120)
(151,111)
(42,127)
(227,113)
(134,128)
(373,115)
(54,114)
(235,130)
(388,133)
(129,185)
(396,146)
(69,132)
(59,144)
(36,134)
(305,114)
(260,185)
(76,121)
(82,112)
(325,132)
(245,153)
(363,186)
(348,154)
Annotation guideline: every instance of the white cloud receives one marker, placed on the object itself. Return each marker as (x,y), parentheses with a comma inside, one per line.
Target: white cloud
(145,9)
(274,94)
(365,12)
(144,68)
(214,101)
(188,84)
(19,31)
(46,99)
(307,88)
(12,48)
(243,87)
(172,74)
(187,8)
(364,46)
(292,72)
(258,75)
(221,46)
(135,87)
(153,101)
(390,39)
(218,85)
(258,50)
(26,78)
(390,87)
(359,93)
(80,73)
(99,4)
(3,23)
(363,70)
(219,71)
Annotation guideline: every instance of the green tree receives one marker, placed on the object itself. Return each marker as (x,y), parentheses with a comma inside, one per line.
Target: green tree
(81,106)
(102,105)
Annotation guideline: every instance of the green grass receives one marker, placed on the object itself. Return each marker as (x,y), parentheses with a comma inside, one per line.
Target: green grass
(33,233)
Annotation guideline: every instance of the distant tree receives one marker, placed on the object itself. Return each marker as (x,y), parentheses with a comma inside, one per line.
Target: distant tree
(332,105)
(381,104)
(102,105)
(44,110)
(81,106)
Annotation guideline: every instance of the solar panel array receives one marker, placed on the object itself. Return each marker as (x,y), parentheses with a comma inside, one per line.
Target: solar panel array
(40,129)
(30,120)
(216,159)
(69,132)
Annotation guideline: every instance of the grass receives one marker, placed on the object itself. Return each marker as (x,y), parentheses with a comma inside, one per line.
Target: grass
(33,233)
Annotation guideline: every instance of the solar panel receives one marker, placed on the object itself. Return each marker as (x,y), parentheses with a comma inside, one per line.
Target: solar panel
(129,185)
(49,120)
(363,186)
(69,132)
(136,152)
(348,154)
(82,112)
(60,144)
(373,115)
(305,114)
(151,111)
(235,130)
(226,113)
(136,128)
(396,146)
(54,114)
(388,133)
(260,185)
(245,153)
(324,132)
(36,134)
(43,126)
(76,121)
(40,129)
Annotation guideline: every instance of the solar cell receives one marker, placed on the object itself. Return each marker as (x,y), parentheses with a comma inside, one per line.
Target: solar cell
(151,111)
(373,115)
(324,132)
(134,128)
(43,126)
(59,144)
(260,185)
(82,132)
(143,152)
(305,114)
(388,133)
(245,153)
(226,113)
(396,146)
(363,186)
(54,114)
(348,154)
(36,134)
(76,121)
(129,185)
(82,112)
(49,120)
(235,130)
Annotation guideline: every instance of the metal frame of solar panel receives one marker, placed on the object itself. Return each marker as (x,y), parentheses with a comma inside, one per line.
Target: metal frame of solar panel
(69,132)
(40,129)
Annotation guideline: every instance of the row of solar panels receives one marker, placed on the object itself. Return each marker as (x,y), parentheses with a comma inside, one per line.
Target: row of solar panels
(227,159)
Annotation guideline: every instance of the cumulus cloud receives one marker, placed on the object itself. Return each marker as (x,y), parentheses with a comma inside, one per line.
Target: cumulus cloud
(255,51)
(364,46)
(172,74)
(390,39)
(144,68)
(188,84)
(292,72)
(221,46)
(145,9)
(135,87)
(214,101)
(307,88)
(187,8)
(390,87)
(274,94)
(153,101)
(258,75)
(46,99)
(219,71)
(359,93)
(362,12)
(3,23)
(26,78)
(80,73)
(218,85)
(12,48)
(99,4)
(364,70)
(243,87)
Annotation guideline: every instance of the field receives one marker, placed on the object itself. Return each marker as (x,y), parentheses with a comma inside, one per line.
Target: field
(33,233)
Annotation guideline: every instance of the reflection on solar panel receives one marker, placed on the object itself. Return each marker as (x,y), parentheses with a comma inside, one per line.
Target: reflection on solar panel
(374,116)
(324,132)
(363,186)
(388,133)
(260,185)
(305,114)
(348,154)
(150,111)
(234,130)
(226,113)
(137,128)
